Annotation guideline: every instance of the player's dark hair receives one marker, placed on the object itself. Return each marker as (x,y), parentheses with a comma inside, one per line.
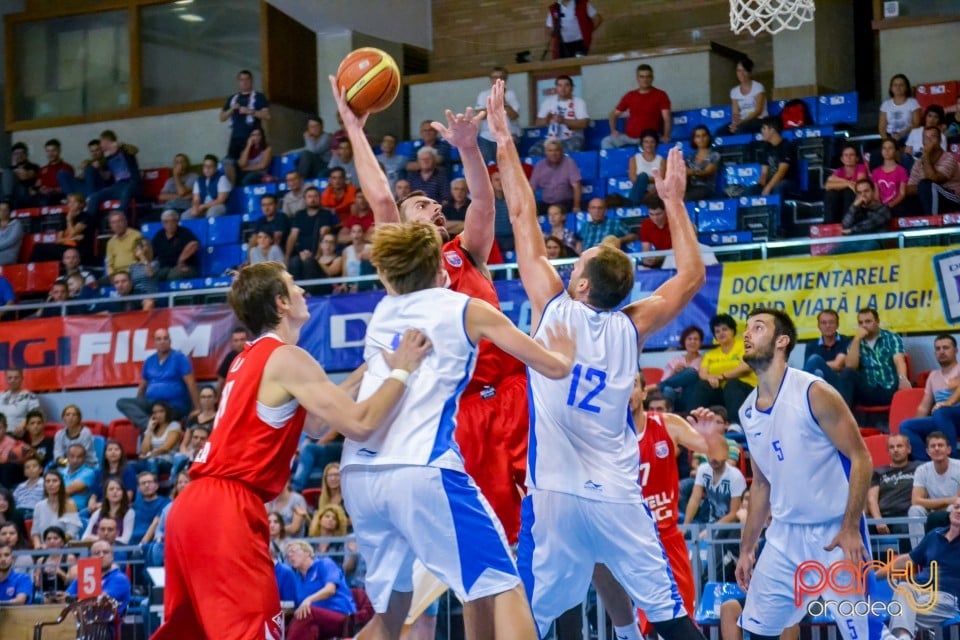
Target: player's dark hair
(253,295)
(782,324)
(610,274)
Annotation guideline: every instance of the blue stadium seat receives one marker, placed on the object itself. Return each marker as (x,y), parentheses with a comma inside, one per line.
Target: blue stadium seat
(615,162)
(150,229)
(217,259)
(199,283)
(572,222)
(840,108)
(236,201)
(251,197)
(683,124)
(745,175)
(620,186)
(594,189)
(632,247)
(587,162)
(529,137)
(712,597)
(99,444)
(456,171)
(628,212)
(199,226)
(808,133)
(224,230)
(734,140)
(716,215)
(664,147)
(726,237)
(597,130)
(405,148)
(715,117)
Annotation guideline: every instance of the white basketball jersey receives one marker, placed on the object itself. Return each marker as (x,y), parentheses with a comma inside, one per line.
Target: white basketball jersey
(809,477)
(582,438)
(420,429)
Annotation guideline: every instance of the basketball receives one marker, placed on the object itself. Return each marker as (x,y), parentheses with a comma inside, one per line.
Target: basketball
(370,78)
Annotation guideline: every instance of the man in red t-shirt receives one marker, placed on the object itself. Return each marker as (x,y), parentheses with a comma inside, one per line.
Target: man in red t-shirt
(48,182)
(648,108)
(654,231)
(361,214)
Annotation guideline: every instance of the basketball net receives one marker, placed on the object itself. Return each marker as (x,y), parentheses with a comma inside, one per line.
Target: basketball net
(772,16)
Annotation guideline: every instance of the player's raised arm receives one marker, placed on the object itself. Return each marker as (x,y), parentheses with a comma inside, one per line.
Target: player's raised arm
(461,132)
(540,279)
(553,360)
(702,432)
(672,296)
(373,181)
(834,417)
(292,371)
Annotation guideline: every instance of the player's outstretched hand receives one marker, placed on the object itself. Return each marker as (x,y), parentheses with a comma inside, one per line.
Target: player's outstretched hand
(350,119)
(563,343)
(672,186)
(850,540)
(497,114)
(413,348)
(462,129)
(705,422)
(745,568)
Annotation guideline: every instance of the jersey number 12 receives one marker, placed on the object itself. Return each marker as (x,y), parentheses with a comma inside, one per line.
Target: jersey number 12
(595,376)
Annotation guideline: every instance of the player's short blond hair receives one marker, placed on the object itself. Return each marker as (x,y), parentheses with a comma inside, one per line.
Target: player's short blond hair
(407,255)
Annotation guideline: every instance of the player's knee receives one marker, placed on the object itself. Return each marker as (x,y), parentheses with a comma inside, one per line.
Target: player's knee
(678,629)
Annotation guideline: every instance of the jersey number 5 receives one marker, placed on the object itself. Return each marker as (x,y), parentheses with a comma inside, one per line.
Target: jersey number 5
(599,378)
(778,449)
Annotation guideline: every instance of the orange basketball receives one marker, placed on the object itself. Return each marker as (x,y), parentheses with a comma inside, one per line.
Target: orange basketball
(370,78)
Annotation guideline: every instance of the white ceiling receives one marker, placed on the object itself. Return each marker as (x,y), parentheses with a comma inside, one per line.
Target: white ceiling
(406,21)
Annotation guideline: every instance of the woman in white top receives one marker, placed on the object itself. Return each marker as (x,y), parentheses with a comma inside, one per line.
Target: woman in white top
(116,505)
(901,112)
(643,164)
(54,509)
(159,441)
(748,100)
(353,256)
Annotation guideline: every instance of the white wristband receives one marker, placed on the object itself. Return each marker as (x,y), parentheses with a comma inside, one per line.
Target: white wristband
(400,375)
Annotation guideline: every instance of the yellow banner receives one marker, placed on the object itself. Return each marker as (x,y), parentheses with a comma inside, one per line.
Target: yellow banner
(914,290)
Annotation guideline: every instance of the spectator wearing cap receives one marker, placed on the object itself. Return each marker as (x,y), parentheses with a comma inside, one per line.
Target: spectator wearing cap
(175,249)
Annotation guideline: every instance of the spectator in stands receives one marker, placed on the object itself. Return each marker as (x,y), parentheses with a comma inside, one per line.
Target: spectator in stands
(58,293)
(356,259)
(748,102)
(331,522)
(77,292)
(935,177)
(891,488)
(565,117)
(876,366)
(159,441)
(54,510)
(722,485)
(12,454)
(429,178)
(78,477)
(116,505)
(278,544)
(9,513)
(192,443)
(91,174)
(292,509)
(343,159)
(23,191)
(7,295)
(74,235)
(330,488)
(455,209)
(953,119)
(555,248)
(936,484)
(312,223)
(109,531)
(557,217)
(177,192)
(152,541)
(293,199)
(702,166)
(827,355)
(16,402)
(121,300)
(113,467)
(71,264)
(29,492)
(11,236)
(246,111)
(866,214)
(654,231)
(937,410)
(570,26)
(890,177)
(147,505)
(648,108)
(36,439)
(315,155)
(15,588)
(15,536)
(488,146)
(643,165)
(52,574)
(598,226)
(933,116)
(339,195)
(144,273)
(724,378)
(901,112)
(429,137)
(401,189)
(125,172)
(778,173)
(329,264)
(840,189)
(360,214)
(120,253)
(558,178)
(254,161)
(73,432)
(394,165)
(238,341)
(276,226)
(113,579)
(682,371)
(323,598)
(938,547)
(176,249)
(167,376)
(263,249)
(210,191)
(47,183)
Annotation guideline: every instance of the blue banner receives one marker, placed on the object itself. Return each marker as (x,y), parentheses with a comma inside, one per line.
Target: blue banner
(334,334)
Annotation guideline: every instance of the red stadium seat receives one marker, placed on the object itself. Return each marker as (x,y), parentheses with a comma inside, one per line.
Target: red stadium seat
(50,429)
(922,379)
(824,231)
(153,181)
(883,409)
(652,375)
(312,497)
(877,446)
(127,434)
(96,427)
(904,406)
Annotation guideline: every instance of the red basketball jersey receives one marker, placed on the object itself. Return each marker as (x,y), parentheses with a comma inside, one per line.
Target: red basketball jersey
(659,476)
(242,446)
(493,364)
